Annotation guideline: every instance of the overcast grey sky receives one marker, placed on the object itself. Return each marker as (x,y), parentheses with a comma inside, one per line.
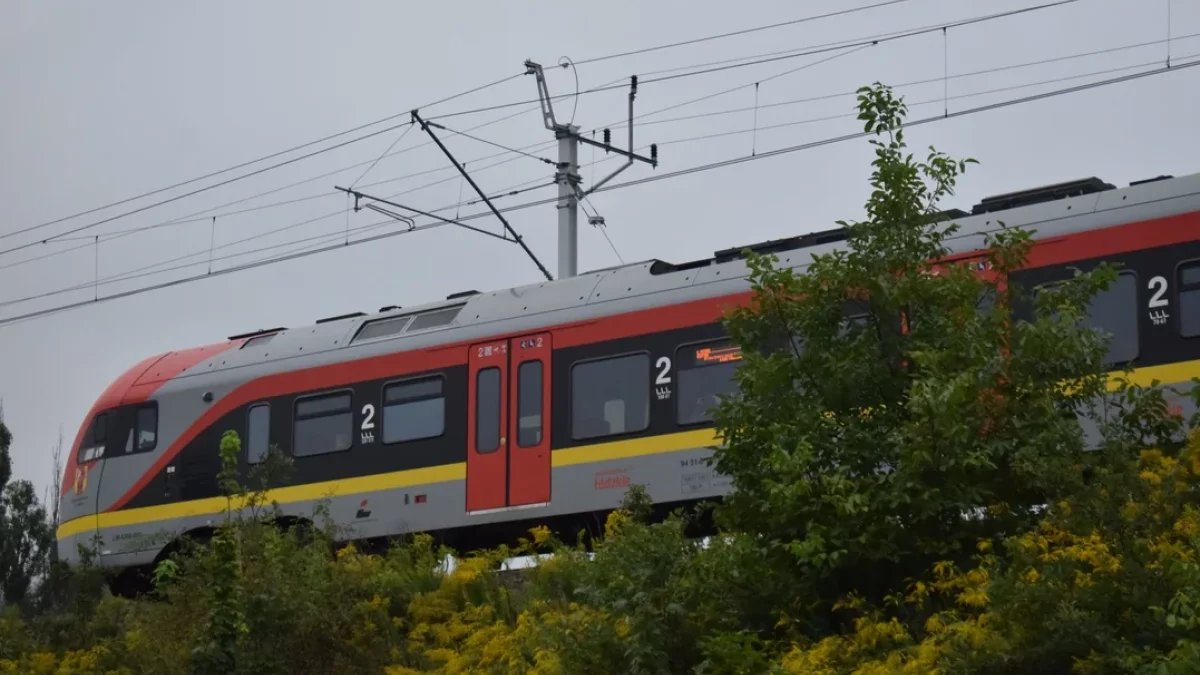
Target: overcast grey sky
(102,101)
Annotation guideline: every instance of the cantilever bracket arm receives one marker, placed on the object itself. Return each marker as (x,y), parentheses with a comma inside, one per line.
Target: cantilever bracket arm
(532,68)
(411,226)
(629,155)
(507,228)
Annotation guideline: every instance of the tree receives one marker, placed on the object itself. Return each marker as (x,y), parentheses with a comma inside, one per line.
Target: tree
(5,442)
(25,535)
(892,409)
(25,540)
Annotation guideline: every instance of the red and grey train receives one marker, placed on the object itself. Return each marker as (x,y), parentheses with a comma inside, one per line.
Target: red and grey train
(501,409)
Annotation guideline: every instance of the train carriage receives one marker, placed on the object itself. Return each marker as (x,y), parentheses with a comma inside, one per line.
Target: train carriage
(491,411)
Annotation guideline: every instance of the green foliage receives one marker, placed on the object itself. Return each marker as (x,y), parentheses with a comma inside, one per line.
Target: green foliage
(25,533)
(5,458)
(858,448)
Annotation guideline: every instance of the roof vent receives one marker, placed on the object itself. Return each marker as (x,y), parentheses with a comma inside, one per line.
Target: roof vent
(255,333)
(340,317)
(1042,194)
(779,245)
(461,294)
(389,308)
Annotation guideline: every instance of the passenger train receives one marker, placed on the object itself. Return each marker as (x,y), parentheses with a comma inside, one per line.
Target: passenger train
(497,410)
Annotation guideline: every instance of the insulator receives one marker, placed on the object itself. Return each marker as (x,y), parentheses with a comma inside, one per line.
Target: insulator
(633,82)
(654,152)
(608,136)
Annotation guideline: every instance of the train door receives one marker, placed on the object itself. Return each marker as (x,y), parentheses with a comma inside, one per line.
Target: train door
(508,435)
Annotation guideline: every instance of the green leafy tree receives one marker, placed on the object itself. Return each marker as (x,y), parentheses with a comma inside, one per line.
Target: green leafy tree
(892,410)
(25,534)
(5,458)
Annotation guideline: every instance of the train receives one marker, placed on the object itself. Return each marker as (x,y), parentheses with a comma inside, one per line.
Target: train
(489,412)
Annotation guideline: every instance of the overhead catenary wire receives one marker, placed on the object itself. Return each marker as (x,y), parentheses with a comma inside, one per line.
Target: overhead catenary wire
(856,42)
(439,102)
(618,125)
(1177,67)
(809,99)
(862,42)
(744,31)
(148,270)
(264,158)
(208,187)
(708,136)
(911,83)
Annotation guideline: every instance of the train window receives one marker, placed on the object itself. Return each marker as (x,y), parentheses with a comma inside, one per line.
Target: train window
(1113,312)
(529,404)
(487,410)
(92,447)
(705,374)
(323,424)
(100,430)
(1189,299)
(413,409)
(146,431)
(258,432)
(610,396)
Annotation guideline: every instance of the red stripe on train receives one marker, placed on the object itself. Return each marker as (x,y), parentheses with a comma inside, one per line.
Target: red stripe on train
(1055,250)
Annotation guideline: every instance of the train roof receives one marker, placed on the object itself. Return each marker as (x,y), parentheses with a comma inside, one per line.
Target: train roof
(1052,210)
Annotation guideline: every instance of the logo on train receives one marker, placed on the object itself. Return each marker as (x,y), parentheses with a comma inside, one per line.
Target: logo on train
(81,473)
(364,510)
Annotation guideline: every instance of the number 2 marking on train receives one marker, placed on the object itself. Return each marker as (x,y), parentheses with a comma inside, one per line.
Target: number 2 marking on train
(1157,300)
(664,364)
(368,412)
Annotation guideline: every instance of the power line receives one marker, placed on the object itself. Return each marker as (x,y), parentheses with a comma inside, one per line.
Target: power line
(864,42)
(547,144)
(745,31)
(190,218)
(618,125)
(857,42)
(438,102)
(255,161)
(204,189)
(911,83)
(143,272)
(631,183)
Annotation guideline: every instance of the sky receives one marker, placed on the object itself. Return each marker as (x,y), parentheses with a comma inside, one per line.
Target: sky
(105,101)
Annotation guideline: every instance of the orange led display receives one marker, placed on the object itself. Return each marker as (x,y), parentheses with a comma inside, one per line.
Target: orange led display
(722,355)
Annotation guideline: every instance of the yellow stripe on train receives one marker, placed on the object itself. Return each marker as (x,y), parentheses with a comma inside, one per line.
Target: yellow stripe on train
(1180,372)
(386,481)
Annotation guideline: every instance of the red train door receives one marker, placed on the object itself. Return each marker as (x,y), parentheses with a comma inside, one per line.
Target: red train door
(508,431)
(529,455)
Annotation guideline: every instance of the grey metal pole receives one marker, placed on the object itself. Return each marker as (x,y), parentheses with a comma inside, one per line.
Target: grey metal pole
(567,178)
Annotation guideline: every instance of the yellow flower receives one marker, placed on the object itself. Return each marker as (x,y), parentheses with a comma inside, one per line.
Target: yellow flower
(541,534)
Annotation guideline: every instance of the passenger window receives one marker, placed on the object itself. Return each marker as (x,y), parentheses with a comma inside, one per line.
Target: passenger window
(487,410)
(1189,299)
(258,432)
(323,424)
(414,409)
(146,431)
(529,404)
(610,396)
(705,374)
(1114,313)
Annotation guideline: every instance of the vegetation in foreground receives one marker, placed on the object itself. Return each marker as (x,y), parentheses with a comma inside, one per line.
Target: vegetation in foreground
(913,495)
